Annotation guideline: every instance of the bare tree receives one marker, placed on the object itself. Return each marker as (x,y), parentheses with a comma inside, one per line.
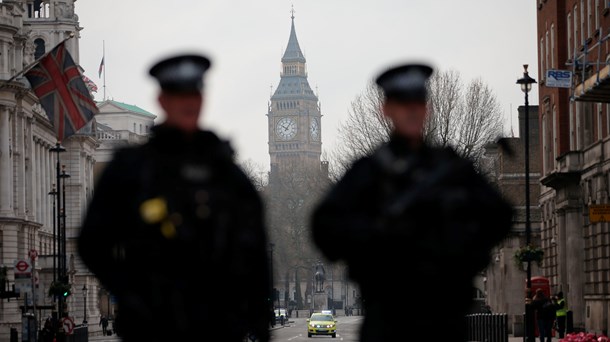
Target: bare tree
(256,173)
(362,131)
(462,117)
(445,105)
(290,197)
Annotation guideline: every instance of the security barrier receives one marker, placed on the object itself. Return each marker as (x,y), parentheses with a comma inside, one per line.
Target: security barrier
(79,334)
(487,327)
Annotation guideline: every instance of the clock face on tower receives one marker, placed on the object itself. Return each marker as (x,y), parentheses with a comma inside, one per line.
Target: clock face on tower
(286,128)
(314,129)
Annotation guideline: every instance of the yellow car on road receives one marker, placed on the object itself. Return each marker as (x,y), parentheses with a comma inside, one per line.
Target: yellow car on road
(321,324)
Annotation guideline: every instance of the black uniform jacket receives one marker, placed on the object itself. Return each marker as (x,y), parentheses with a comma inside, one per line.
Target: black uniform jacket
(175,230)
(422,215)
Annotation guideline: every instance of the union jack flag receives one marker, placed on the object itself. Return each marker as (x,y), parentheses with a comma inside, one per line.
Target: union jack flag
(90,84)
(63,94)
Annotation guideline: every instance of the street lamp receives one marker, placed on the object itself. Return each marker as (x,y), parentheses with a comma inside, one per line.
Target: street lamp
(272,288)
(57,198)
(54,193)
(526,86)
(108,310)
(85,304)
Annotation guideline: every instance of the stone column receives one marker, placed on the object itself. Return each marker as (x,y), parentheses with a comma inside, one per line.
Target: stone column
(561,250)
(10,240)
(35,179)
(18,163)
(40,194)
(6,189)
(47,187)
(574,264)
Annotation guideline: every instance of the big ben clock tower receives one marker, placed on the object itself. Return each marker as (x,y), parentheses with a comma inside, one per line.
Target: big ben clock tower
(294,117)
(297,177)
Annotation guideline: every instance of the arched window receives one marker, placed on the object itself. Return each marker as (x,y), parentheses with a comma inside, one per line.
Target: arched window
(545,145)
(40,48)
(569,30)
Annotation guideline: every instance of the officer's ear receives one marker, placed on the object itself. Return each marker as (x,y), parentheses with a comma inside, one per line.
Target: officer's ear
(162,100)
(384,109)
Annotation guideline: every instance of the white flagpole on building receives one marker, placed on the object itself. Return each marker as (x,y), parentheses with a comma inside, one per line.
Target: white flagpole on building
(104,66)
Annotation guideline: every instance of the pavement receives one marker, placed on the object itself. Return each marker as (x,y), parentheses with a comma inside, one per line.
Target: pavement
(104,338)
(115,338)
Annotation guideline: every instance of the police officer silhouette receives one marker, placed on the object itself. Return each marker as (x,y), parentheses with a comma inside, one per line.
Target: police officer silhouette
(411,218)
(175,229)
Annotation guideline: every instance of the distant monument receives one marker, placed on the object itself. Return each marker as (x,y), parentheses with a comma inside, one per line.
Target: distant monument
(319,278)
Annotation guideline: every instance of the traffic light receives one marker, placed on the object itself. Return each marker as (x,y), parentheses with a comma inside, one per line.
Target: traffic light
(61,288)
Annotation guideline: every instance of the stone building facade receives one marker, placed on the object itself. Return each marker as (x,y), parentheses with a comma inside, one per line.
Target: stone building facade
(29,29)
(297,178)
(573,36)
(505,282)
(28,167)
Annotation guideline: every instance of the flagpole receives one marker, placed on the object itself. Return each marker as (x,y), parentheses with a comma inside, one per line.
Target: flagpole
(104,70)
(33,64)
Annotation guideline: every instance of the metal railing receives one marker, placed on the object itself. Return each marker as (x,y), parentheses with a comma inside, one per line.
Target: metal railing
(487,327)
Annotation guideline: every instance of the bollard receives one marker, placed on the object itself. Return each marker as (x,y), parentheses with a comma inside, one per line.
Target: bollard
(487,327)
(569,322)
(14,335)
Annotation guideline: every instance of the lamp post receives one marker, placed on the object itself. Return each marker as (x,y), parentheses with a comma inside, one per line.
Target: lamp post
(54,193)
(272,288)
(57,237)
(526,86)
(108,310)
(85,304)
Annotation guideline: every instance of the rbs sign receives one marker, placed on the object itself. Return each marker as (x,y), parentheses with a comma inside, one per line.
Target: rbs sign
(558,79)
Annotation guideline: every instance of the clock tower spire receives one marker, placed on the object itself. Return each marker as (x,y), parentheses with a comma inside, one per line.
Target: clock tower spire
(294,116)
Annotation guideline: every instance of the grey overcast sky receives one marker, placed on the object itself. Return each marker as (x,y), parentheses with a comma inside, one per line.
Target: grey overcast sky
(346,43)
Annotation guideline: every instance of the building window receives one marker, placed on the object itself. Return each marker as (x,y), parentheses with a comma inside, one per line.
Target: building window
(552,46)
(608,119)
(572,128)
(600,120)
(588,124)
(141,129)
(589,18)
(547,52)
(582,22)
(578,124)
(555,142)
(576,43)
(545,146)
(542,66)
(134,127)
(596,10)
(569,35)
(40,48)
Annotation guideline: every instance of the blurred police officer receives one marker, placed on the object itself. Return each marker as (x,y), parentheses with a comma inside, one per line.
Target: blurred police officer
(175,230)
(411,219)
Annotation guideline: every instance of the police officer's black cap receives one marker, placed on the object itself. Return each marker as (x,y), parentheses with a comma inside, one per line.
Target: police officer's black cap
(181,74)
(406,82)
